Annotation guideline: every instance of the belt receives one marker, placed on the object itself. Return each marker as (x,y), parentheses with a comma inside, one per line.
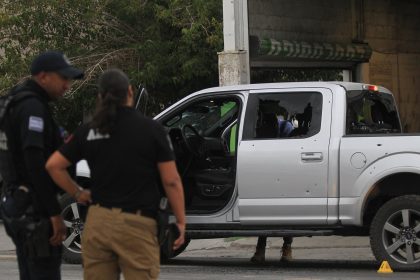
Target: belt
(141,212)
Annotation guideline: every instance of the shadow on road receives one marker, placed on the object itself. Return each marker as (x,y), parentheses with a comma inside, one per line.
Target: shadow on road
(295,264)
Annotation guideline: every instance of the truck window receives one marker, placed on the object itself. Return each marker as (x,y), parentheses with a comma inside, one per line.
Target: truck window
(208,117)
(371,113)
(284,115)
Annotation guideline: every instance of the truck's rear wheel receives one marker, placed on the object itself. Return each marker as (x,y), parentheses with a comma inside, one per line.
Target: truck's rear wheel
(395,233)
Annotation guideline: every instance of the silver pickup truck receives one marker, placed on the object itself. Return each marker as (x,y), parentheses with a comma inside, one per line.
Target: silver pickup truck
(294,159)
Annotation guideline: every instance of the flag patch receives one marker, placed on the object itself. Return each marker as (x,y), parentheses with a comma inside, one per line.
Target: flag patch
(36,124)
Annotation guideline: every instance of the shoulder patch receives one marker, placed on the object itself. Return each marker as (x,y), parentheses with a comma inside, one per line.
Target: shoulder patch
(36,124)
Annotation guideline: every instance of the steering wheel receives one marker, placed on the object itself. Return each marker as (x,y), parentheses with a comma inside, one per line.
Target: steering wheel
(194,147)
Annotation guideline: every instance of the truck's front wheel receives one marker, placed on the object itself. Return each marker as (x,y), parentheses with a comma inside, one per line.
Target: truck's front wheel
(165,255)
(395,233)
(74,215)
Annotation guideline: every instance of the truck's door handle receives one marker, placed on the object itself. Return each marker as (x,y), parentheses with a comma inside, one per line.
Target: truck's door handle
(311,156)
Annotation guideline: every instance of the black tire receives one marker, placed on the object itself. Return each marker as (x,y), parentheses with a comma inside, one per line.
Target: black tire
(74,215)
(395,233)
(164,255)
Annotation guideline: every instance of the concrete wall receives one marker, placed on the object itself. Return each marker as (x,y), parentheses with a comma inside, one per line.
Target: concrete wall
(301,20)
(390,27)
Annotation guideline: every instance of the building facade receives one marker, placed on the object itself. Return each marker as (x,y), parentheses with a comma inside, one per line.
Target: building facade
(372,41)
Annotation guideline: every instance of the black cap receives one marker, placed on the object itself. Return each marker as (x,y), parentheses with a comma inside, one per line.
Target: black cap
(53,61)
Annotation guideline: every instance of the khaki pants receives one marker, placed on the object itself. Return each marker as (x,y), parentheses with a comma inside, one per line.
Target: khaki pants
(115,242)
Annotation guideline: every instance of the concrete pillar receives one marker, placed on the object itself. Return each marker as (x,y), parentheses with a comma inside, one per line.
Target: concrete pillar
(347,76)
(233,68)
(234,60)
(362,73)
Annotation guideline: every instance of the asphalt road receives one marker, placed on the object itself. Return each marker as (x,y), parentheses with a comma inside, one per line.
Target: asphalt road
(313,258)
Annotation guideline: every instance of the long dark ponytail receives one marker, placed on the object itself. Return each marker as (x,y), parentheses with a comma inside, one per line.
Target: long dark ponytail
(113,89)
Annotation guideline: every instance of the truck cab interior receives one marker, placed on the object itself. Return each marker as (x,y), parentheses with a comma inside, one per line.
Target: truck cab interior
(204,139)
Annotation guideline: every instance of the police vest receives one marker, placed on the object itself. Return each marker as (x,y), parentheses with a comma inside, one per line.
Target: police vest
(7,163)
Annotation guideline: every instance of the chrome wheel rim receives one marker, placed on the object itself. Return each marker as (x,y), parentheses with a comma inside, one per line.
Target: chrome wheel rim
(401,236)
(74,225)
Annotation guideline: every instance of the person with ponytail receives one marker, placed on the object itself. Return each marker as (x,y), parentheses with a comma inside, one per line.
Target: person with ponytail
(126,153)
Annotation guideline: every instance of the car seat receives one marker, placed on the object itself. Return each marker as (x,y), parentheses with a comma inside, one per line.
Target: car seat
(269,127)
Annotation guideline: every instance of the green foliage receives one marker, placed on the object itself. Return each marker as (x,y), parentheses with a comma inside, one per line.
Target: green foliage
(188,37)
(30,27)
(169,45)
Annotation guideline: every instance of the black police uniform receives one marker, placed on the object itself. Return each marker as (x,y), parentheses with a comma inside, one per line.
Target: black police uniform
(123,165)
(125,177)
(34,136)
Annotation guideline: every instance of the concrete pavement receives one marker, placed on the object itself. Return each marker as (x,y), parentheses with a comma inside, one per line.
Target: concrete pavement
(320,247)
(316,248)
(277,242)
(325,250)
(7,248)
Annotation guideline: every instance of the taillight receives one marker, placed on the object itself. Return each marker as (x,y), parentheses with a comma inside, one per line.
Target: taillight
(370,88)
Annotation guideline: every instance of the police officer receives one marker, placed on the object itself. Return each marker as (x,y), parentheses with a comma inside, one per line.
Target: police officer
(126,153)
(32,137)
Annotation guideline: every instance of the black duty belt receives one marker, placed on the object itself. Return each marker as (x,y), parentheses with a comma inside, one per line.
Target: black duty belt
(141,212)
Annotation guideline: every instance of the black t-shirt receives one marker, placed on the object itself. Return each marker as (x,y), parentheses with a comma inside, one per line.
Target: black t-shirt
(123,165)
(35,136)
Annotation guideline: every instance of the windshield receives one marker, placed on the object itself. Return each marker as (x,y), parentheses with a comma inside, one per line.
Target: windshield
(206,116)
(371,112)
